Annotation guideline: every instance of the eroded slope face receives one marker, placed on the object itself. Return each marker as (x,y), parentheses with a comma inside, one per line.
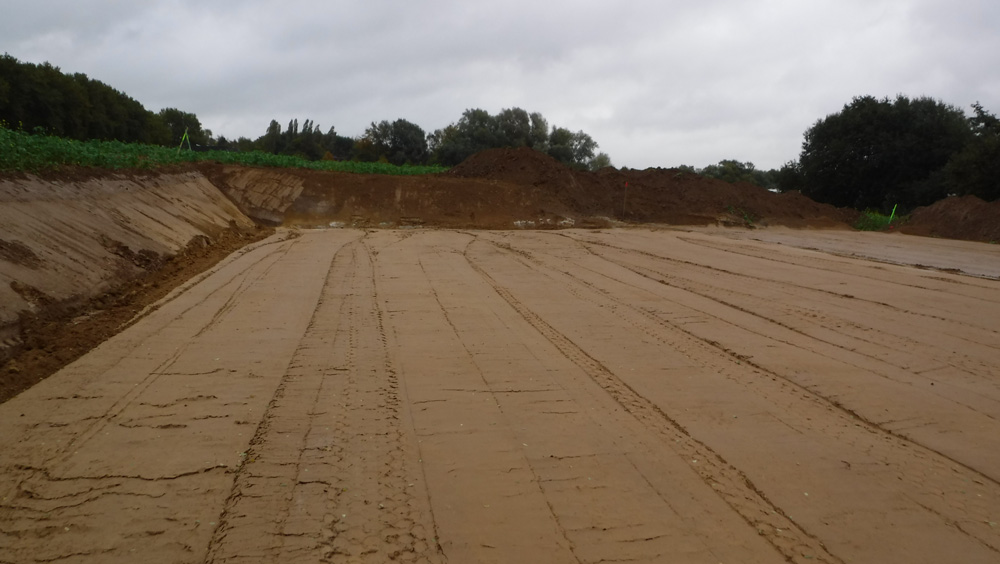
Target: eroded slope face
(65,239)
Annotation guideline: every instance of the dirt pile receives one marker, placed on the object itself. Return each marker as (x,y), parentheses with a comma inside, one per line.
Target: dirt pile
(522,166)
(963,217)
(651,195)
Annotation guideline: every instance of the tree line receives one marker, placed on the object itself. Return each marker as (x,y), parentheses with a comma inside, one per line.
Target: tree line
(731,170)
(877,153)
(874,153)
(41,98)
(403,142)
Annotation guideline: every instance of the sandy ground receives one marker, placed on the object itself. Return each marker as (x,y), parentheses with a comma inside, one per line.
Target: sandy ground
(576,396)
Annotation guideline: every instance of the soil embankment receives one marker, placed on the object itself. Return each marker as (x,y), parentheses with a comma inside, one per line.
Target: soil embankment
(75,251)
(512,188)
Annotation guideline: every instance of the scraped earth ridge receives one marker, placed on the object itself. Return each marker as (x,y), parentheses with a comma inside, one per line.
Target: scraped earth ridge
(576,395)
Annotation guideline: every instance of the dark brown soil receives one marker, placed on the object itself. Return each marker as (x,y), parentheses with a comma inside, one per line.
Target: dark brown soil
(510,188)
(651,195)
(18,253)
(963,217)
(62,332)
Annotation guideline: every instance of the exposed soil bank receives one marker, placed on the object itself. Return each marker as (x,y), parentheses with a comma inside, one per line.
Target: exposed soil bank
(51,337)
(80,254)
(512,188)
(522,188)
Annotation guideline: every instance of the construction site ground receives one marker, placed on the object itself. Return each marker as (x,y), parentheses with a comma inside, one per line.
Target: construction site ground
(705,395)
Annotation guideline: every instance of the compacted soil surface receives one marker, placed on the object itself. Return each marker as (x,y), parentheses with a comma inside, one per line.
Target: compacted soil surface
(435,395)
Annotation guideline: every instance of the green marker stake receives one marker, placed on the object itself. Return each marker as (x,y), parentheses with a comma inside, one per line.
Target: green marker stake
(183,139)
(893,214)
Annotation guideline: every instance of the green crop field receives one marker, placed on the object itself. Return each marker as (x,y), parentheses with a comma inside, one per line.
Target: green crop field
(23,152)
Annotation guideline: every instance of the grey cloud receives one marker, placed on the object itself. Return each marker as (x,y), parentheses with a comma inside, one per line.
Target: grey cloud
(655,83)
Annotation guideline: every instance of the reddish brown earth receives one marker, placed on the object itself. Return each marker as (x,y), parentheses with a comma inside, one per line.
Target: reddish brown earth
(965,217)
(468,395)
(521,188)
(506,188)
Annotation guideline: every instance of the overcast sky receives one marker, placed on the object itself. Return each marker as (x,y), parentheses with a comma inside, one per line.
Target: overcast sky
(655,83)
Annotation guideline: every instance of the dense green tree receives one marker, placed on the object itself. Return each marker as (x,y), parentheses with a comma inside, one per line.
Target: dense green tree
(374,144)
(514,128)
(731,170)
(43,98)
(178,122)
(601,160)
(272,140)
(447,146)
(306,140)
(976,169)
(399,142)
(560,144)
(407,143)
(244,144)
(340,147)
(538,135)
(477,130)
(573,149)
(789,177)
(877,153)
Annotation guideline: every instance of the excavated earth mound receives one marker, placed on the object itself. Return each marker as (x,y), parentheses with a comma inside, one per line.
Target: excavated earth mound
(651,195)
(512,188)
(963,217)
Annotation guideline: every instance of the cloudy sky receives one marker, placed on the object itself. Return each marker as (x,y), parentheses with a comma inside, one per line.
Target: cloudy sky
(655,83)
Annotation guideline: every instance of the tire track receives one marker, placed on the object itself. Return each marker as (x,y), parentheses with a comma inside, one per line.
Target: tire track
(733,486)
(242,280)
(327,463)
(917,465)
(561,529)
(68,481)
(96,423)
(765,281)
(746,250)
(851,345)
(705,292)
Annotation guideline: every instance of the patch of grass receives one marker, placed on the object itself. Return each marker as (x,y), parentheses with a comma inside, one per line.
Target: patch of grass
(24,152)
(749,218)
(874,221)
